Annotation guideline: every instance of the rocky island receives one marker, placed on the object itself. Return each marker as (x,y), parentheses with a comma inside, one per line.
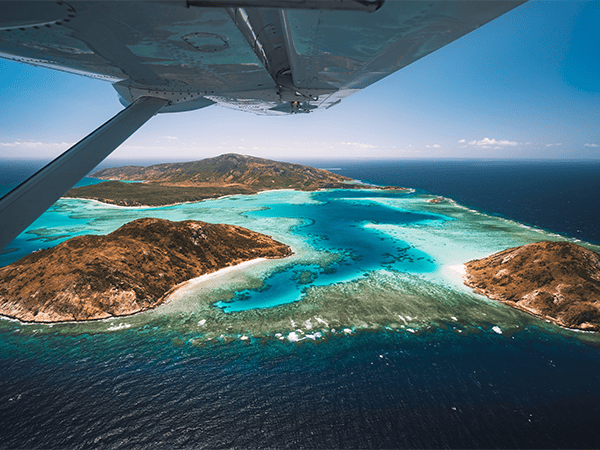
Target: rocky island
(557,281)
(127,271)
(229,174)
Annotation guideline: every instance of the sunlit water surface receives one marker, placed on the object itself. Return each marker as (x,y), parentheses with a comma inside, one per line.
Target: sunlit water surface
(364,338)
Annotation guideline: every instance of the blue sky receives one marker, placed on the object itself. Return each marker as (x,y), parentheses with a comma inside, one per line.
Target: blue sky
(527,85)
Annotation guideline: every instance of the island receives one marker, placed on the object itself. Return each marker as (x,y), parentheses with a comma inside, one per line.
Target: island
(557,281)
(229,174)
(130,270)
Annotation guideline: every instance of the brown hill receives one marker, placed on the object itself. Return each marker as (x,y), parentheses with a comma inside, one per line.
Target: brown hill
(228,174)
(228,169)
(558,281)
(127,271)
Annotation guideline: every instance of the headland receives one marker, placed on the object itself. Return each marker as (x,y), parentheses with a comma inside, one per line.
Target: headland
(557,281)
(130,270)
(229,174)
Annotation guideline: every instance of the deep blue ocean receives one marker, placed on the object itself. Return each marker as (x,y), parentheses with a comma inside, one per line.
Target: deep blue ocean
(149,386)
(561,196)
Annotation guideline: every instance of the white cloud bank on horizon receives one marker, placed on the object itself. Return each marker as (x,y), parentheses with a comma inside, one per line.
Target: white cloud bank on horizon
(492,143)
(172,148)
(356,144)
(38,149)
(35,144)
(33,149)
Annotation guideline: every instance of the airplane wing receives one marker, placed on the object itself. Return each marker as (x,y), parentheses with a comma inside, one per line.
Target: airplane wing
(263,60)
(268,57)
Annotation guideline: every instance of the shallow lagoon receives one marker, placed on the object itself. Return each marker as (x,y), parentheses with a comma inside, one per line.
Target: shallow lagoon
(369,340)
(364,259)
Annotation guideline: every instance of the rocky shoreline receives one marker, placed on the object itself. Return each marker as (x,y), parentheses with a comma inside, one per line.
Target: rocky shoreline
(556,281)
(130,270)
(229,174)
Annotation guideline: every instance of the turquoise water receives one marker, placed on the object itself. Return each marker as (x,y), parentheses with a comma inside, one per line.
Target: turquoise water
(392,251)
(337,225)
(364,338)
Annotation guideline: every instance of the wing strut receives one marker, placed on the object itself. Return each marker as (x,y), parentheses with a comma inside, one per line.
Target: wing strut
(25,203)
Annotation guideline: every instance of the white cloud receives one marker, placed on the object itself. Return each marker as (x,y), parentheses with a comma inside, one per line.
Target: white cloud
(36,145)
(591,145)
(555,144)
(30,149)
(462,141)
(433,146)
(493,143)
(174,138)
(357,144)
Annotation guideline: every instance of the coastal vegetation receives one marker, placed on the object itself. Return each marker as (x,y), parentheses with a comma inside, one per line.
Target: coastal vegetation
(152,194)
(229,174)
(557,281)
(127,271)
(138,267)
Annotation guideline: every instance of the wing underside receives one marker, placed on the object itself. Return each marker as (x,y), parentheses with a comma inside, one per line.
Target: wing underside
(263,56)
(242,55)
